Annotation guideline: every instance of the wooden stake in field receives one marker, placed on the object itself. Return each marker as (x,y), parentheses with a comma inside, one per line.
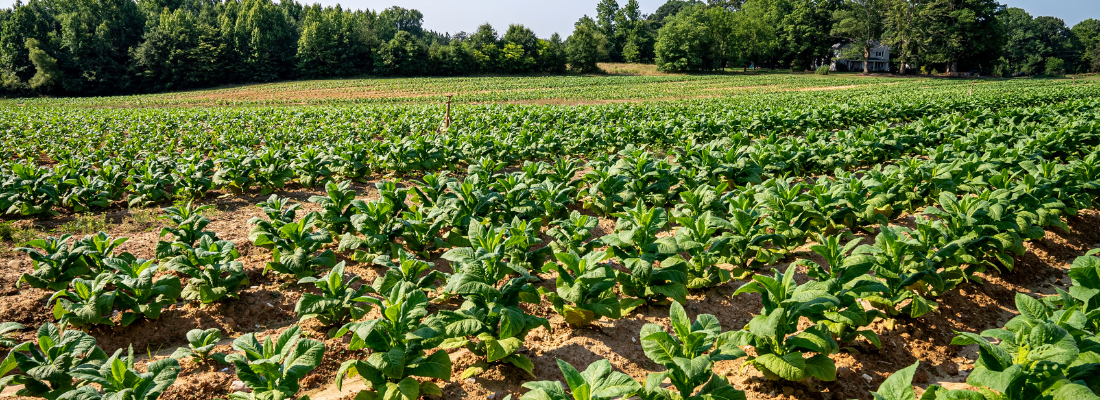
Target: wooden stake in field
(971,88)
(447,119)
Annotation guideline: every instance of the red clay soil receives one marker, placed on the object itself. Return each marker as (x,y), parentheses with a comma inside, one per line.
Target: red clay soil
(267,307)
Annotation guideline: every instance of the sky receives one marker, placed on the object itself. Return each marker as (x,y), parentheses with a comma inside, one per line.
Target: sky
(546,17)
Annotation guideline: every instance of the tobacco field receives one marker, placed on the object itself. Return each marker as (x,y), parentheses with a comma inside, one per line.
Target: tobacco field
(666,237)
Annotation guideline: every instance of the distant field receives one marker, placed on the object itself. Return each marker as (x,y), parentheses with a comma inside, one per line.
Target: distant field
(546,219)
(535,90)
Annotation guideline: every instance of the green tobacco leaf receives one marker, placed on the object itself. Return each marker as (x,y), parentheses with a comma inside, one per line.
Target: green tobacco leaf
(898,386)
(573,378)
(1075,391)
(499,349)
(674,291)
(658,345)
(628,305)
(1029,307)
(437,365)
(790,366)
(821,367)
(996,380)
(522,362)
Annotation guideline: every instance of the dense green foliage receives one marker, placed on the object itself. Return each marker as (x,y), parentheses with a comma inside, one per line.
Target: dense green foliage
(62,364)
(124,46)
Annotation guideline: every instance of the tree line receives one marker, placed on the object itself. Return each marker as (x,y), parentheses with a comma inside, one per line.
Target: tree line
(97,47)
(101,47)
(945,35)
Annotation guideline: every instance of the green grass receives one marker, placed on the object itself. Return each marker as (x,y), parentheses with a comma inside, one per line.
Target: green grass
(85,224)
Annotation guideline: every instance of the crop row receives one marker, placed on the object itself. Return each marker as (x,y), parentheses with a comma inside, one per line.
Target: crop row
(491,89)
(974,200)
(96,176)
(62,135)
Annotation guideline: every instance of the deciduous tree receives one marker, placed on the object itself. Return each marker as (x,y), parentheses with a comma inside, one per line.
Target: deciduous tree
(860,21)
(586,47)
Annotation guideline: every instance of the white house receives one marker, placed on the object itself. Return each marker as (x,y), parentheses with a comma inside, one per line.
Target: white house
(879,60)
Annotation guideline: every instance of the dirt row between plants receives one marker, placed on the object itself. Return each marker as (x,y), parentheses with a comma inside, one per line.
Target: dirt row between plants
(266,306)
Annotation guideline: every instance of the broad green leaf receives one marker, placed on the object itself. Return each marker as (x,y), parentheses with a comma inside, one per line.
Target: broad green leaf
(898,386)
(790,366)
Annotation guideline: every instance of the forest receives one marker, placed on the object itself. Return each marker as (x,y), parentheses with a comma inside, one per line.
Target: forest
(107,47)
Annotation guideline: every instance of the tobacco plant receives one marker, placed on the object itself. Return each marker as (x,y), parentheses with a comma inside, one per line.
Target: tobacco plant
(149,184)
(337,210)
(573,234)
(46,365)
(210,265)
(376,221)
(311,166)
(1085,289)
(273,369)
(553,197)
(235,171)
(188,227)
(193,177)
(272,171)
(139,293)
(783,351)
(699,200)
(991,234)
(584,290)
(117,379)
(607,190)
(516,197)
(400,345)
(389,191)
(88,302)
(490,312)
(899,266)
(469,201)
(705,241)
(652,285)
(789,213)
(87,193)
(1035,360)
(28,191)
(421,230)
(844,277)
(200,345)
(337,302)
(94,249)
(296,249)
(406,268)
(636,232)
(688,356)
(598,382)
(54,262)
(522,237)
(750,243)
(279,212)
(899,386)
